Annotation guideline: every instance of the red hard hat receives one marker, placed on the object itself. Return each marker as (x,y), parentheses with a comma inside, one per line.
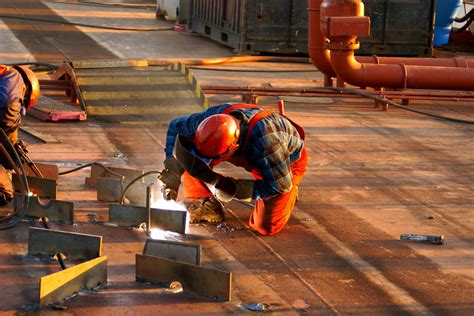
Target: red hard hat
(217,135)
(32,86)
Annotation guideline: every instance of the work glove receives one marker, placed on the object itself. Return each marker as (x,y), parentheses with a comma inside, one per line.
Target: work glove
(171,178)
(228,188)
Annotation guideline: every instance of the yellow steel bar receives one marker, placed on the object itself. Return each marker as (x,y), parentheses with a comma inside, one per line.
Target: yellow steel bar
(141,110)
(138,80)
(133,95)
(57,286)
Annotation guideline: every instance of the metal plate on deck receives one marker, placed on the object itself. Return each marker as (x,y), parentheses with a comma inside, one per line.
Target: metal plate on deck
(49,242)
(127,215)
(210,283)
(57,286)
(174,250)
(54,210)
(110,190)
(103,171)
(44,188)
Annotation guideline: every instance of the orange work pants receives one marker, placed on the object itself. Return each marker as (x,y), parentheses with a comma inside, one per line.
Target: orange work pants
(270,215)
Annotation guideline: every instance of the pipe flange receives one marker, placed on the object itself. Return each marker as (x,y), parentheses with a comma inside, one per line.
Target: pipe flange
(342,46)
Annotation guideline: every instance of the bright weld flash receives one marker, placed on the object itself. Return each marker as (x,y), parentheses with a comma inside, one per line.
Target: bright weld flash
(162,204)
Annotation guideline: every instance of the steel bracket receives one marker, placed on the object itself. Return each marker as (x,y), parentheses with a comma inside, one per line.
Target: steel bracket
(103,171)
(213,284)
(45,187)
(174,250)
(128,215)
(54,210)
(110,190)
(49,242)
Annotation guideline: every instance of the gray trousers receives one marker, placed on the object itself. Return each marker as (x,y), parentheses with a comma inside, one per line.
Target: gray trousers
(6,187)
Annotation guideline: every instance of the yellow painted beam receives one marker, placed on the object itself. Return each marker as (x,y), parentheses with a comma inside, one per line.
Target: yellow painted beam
(134,95)
(103,81)
(109,63)
(57,286)
(141,110)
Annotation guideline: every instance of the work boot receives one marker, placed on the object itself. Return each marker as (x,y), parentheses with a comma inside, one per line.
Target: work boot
(206,210)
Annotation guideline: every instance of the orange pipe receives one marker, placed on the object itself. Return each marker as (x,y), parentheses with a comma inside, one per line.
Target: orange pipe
(399,75)
(320,55)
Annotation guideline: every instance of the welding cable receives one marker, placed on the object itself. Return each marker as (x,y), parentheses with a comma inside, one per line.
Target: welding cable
(88,165)
(100,4)
(89,25)
(390,102)
(34,63)
(465,26)
(18,214)
(122,198)
(466,17)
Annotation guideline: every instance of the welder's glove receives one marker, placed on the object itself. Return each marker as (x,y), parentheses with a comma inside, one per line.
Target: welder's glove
(228,188)
(244,189)
(171,178)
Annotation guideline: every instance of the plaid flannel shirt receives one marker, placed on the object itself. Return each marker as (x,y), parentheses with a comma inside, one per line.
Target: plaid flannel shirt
(273,145)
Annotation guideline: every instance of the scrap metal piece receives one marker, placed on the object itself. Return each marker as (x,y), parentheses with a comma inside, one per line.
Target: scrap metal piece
(437,240)
(103,171)
(129,215)
(174,250)
(45,187)
(206,282)
(54,210)
(49,242)
(110,190)
(57,286)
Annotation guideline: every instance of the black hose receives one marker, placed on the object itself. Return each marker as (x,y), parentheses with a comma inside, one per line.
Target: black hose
(89,25)
(465,26)
(88,165)
(383,100)
(99,4)
(466,17)
(19,213)
(46,65)
(122,198)
(75,169)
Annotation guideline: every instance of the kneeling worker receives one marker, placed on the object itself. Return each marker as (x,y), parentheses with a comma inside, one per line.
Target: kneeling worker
(263,142)
(19,90)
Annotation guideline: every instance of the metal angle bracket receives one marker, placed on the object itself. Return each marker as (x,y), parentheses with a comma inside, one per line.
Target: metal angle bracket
(213,284)
(45,187)
(129,215)
(110,190)
(174,250)
(103,171)
(89,275)
(49,242)
(54,210)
